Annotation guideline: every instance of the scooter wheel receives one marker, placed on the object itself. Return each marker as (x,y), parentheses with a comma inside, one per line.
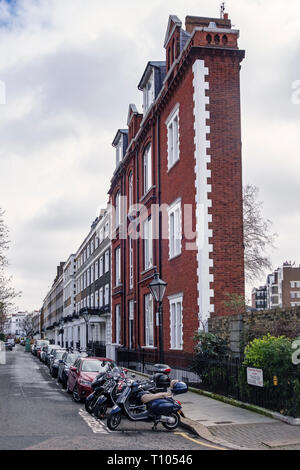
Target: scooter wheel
(113,421)
(101,412)
(171,427)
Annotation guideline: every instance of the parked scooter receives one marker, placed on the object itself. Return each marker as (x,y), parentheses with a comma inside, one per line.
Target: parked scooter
(158,408)
(106,388)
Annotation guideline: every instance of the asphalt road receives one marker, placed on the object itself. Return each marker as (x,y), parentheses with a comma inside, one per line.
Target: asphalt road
(37,414)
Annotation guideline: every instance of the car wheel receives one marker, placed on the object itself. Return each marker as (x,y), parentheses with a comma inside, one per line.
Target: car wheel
(75,395)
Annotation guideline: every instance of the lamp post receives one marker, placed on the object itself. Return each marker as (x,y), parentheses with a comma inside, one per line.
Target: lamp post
(86,316)
(158,288)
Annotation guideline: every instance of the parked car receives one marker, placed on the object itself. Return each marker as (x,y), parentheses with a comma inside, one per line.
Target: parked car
(39,344)
(12,342)
(65,363)
(44,351)
(54,361)
(50,352)
(8,346)
(82,374)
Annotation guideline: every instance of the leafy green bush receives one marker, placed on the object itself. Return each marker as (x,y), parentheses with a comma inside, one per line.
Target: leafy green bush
(274,356)
(210,363)
(211,346)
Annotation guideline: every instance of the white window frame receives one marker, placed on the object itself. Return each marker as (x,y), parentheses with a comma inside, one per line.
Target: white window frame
(101,266)
(173,134)
(118,266)
(106,294)
(130,241)
(149,92)
(130,190)
(131,323)
(119,151)
(117,209)
(148,244)
(101,297)
(118,323)
(176,322)
(147,169)
(175,229)
(149,321)
(106,261)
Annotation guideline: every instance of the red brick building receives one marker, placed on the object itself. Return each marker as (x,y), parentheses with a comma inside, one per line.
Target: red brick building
(184,152)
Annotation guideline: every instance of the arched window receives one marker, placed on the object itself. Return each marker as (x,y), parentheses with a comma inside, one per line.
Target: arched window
(117,209)
(130,190)
(147,169)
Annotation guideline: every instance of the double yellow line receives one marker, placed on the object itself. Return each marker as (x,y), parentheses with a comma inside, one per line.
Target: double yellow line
(198,442)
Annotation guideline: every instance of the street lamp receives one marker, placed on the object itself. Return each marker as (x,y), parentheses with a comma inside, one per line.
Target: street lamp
(158,288)
(86,314)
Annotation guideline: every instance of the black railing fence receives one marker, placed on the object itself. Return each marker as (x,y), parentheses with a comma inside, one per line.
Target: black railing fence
(97,349)
(226,377)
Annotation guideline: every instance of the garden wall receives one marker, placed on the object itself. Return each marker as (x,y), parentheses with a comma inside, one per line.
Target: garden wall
(240,329)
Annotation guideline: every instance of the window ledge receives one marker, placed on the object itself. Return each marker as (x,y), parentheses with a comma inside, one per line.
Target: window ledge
(173,165)
(174,257)
(147,193)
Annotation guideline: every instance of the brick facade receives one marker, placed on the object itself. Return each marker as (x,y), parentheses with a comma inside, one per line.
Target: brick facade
(208,171)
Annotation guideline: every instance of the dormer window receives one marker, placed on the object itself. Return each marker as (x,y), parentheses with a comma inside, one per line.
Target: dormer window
(149,94)
(119,151)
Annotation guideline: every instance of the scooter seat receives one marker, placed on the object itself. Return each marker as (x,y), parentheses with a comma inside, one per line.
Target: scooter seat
(148,397)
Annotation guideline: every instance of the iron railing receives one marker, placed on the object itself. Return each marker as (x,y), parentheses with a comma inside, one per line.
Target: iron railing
(226,377)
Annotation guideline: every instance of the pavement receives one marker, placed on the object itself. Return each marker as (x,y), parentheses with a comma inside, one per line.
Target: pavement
(234,427)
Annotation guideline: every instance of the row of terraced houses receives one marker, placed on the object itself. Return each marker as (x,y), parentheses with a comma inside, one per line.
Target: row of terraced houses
(174,207)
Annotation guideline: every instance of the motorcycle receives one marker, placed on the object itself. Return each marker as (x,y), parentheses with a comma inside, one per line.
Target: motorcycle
(156,408)
(106,388)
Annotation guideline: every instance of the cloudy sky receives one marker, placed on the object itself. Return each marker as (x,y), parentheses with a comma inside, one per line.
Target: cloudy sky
(71,68)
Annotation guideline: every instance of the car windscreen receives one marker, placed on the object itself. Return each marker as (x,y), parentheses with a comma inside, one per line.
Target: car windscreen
(42,343)
(59,354)
(95,366)
(71,358)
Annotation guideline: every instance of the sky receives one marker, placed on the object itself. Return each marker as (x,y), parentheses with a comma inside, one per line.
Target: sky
(68,71)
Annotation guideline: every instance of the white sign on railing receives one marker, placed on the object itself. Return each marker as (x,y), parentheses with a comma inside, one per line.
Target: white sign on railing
(255,377)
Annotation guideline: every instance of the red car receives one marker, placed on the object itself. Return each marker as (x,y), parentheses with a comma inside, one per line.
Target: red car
(82,374)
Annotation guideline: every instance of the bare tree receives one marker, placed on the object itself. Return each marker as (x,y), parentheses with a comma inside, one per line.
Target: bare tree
(27,325)
(7,293)
(257,235)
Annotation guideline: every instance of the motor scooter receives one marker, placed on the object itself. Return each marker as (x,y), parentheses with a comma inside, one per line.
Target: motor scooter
(105,391)
(157,408)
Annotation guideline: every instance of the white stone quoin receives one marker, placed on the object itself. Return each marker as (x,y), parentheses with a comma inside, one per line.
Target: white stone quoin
(202,158)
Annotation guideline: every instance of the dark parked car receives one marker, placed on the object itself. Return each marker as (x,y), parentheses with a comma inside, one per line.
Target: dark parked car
(65,363)
(82,374)
(39,345)
(8,347)
(49,354)
(55,357)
